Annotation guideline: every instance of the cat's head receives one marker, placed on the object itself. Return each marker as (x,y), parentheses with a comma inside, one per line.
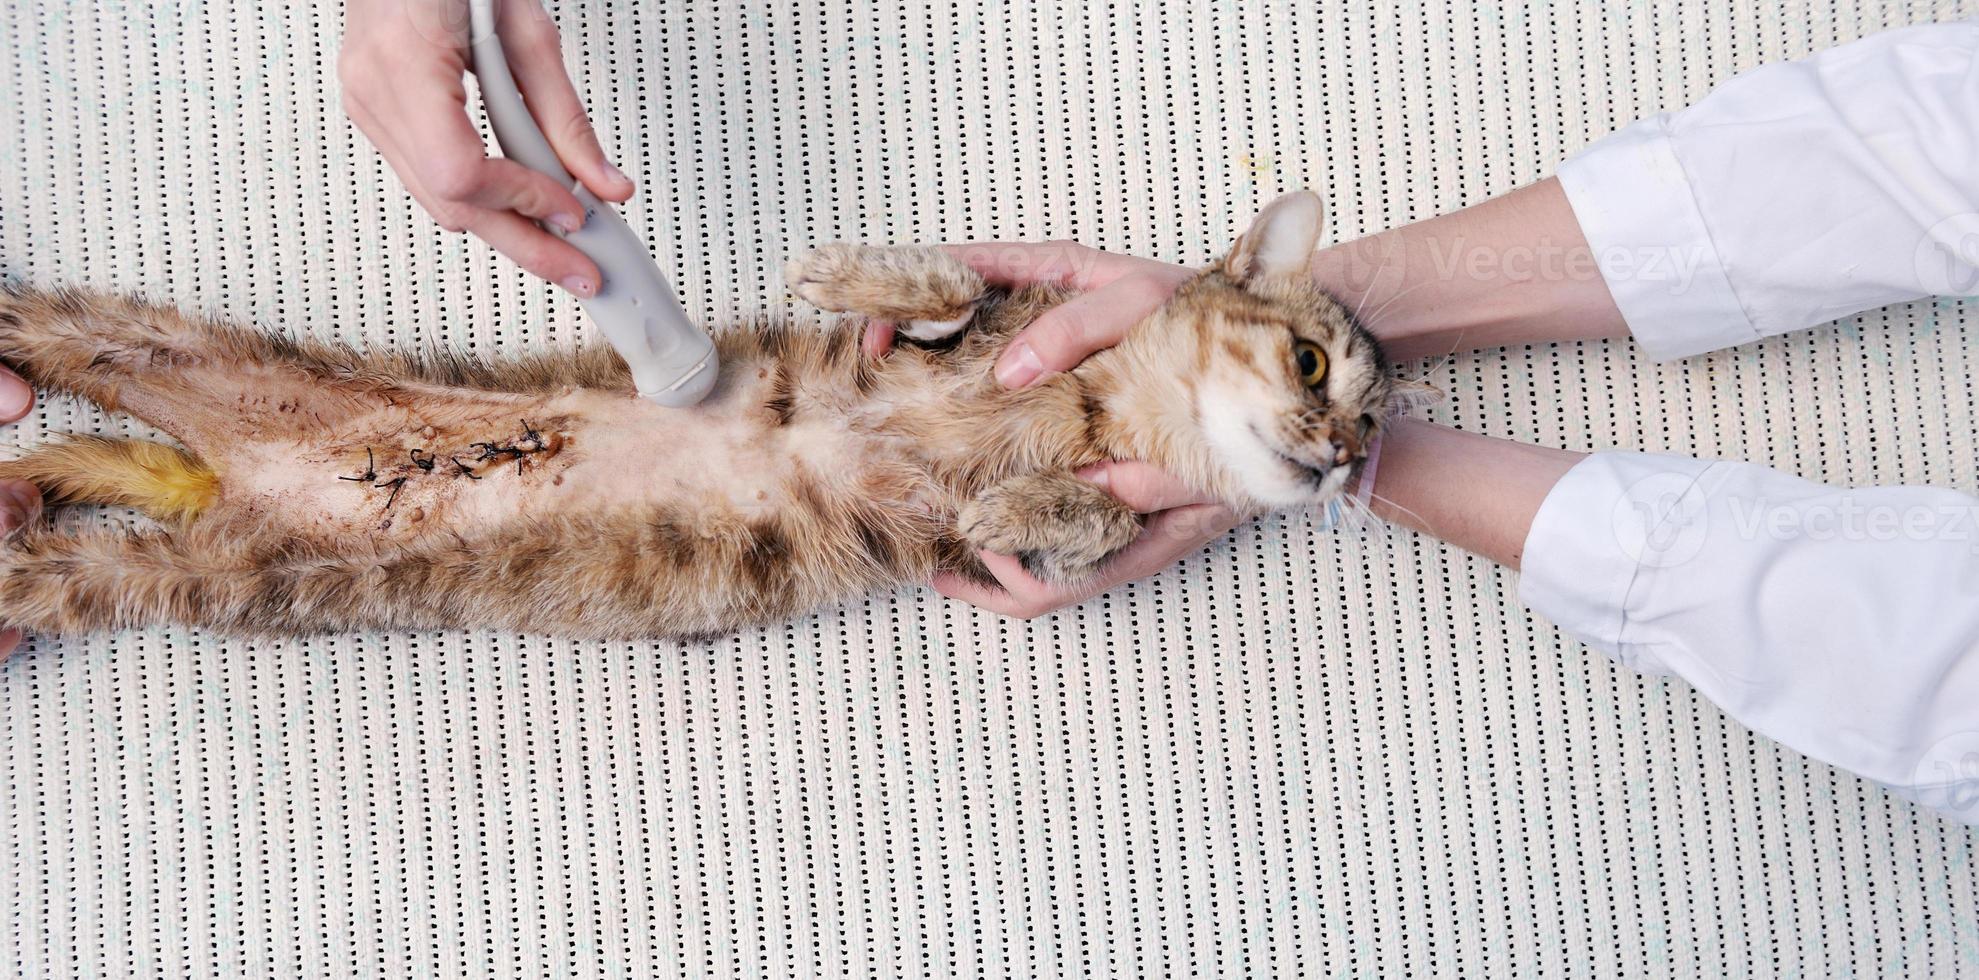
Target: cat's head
(1288,390)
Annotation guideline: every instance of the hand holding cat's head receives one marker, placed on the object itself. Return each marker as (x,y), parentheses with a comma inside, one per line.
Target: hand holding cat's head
(1287,390)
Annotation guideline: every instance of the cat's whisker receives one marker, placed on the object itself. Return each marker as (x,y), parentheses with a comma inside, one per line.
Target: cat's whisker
(1367,290)
(1385,304)
(1360,511)
(1374,521)
(1420,521)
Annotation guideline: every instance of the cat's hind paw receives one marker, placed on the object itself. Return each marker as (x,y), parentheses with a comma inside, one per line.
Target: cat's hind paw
(1059,527)
(927,293)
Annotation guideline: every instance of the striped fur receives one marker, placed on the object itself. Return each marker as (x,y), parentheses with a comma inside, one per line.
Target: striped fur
(323,488)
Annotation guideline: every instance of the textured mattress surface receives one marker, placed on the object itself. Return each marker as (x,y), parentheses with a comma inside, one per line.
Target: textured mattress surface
(1299,753)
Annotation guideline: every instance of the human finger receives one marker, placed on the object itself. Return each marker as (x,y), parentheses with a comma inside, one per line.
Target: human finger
(1168,536)
(536,250)
(536,60)
(20,503)
(1073,330)
(16,397)
(1060,263)
(1144,487)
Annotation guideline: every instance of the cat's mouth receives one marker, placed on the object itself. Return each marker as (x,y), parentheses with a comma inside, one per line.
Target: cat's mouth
(1316,475)
(1279,473)
(1324,479)
(1309,473)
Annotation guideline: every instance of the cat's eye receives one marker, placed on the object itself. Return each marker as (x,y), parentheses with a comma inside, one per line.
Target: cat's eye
(1311,361)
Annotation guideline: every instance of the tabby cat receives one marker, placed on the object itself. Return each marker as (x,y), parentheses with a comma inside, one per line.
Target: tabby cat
(324,489)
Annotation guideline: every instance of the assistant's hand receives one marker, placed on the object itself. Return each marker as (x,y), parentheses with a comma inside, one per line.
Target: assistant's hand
(1115,292)
(20,502)
(401,69)
(1180,521)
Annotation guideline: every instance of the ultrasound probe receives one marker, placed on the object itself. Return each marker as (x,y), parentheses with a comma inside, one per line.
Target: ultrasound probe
(672,360)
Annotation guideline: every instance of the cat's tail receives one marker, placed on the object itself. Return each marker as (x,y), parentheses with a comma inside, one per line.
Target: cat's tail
(165,483)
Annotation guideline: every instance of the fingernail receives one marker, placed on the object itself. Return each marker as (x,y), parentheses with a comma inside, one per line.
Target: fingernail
(567,222)
(580,286)
(1097,475)
(1018,367)
(15,398)
(616,176)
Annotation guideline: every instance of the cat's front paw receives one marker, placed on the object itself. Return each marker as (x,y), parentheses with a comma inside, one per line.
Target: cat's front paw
(927,293)
(1059,527)
(823,276)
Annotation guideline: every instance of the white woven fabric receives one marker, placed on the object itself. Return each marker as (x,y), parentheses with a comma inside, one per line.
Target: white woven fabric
(1298,754)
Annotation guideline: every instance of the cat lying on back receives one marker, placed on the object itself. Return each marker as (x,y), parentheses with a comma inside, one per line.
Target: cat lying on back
(328,490)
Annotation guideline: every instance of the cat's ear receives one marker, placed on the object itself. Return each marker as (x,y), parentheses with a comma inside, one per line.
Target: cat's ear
(1280,240)
(1405,396)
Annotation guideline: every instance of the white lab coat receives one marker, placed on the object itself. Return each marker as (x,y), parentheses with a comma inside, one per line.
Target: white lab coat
(1842,622)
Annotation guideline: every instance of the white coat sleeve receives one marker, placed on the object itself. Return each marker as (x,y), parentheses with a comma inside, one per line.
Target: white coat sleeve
(1793,194)
(1842,622)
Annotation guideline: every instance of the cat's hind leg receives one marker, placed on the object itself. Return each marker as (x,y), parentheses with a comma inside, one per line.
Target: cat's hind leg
(225,578)
(209,383)
(927,293)
(53,583)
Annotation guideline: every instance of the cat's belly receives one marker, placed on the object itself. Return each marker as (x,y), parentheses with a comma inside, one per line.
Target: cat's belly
(472,463)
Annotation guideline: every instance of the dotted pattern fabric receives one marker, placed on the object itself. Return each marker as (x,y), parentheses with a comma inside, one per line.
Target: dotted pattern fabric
(1300,753)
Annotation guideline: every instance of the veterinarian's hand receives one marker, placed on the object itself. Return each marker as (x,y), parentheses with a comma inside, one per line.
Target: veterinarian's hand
(401,69)
(1114,292)
(1180,522)
(20,503)
(16,397)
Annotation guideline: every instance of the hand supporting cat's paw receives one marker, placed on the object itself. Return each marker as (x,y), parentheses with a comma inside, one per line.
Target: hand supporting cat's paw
(1061,528)
(927,293)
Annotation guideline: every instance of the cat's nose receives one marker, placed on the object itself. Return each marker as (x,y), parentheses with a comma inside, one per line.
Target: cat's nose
(1346,446)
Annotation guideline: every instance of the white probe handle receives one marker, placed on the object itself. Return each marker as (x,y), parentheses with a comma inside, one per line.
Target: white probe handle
(673,362)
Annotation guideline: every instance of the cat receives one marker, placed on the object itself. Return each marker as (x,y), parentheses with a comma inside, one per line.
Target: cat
(326,490)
